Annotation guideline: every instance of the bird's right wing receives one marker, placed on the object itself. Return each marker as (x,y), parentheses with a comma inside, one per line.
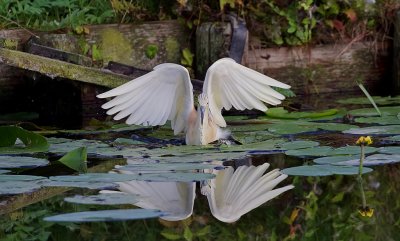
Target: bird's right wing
(165,93)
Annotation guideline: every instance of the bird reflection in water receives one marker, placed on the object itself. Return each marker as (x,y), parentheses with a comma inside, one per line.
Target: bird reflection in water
(230,195)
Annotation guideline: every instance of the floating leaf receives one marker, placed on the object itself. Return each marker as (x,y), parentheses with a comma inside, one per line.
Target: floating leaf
(393,138)
(89,185)
(293,145)
(21,162)
(297,127)
(27,178)
(379,100)
(387,110)
(30,142)
(373,160)
(375,130)
(329,151)
(18,187)
(104,199)
(390,150)
(384,120)
(106,215)
(157,167)
(76,160)
(280,112)
(323,170)
(4,171)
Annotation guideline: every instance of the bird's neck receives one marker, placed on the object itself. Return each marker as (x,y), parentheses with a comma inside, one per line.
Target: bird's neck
(201,133)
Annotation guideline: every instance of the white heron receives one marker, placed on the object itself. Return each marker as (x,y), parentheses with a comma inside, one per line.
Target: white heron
(166,93)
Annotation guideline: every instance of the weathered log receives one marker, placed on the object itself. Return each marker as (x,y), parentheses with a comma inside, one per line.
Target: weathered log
(212,43)
(396,56)
(57,68)
(322,69)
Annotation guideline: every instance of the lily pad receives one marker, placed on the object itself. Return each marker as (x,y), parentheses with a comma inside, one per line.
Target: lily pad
(336,159)
(280,112)
(385,111)
(297,127)
(88,185)
(165,167)
(373,160)
(294,145)
(390,150)
(4,171)
(375,130)
(384,120)
(104,199)
(106,215)
(379,100)
(14,139)
(323,170)
(329,151)
(393,138)
(18,187)
(21,162)
(26,178)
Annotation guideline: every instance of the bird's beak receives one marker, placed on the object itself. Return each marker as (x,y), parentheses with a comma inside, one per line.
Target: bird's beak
(202,109)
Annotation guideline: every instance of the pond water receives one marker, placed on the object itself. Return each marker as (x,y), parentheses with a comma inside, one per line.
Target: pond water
(178,192)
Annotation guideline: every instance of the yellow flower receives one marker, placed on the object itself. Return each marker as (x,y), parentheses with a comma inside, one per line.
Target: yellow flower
(364,141)
(366,212)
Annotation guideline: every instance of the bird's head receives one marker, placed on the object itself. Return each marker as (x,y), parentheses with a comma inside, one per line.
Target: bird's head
(203,104)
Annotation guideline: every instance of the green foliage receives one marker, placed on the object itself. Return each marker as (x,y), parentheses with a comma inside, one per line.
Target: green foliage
(14,139)
(187,57)
(51,15)
(76,159)
(151,51)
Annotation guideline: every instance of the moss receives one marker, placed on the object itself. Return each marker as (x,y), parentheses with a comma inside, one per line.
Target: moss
(9,43)
(114,46)
(172,49)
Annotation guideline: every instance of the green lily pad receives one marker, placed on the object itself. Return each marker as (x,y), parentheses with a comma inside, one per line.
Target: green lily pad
(393,138)
(4,171)
(18,187)
(114,177)
(63,145)
(384,120)
(247,137)
(297,127)
(332,160)
(26,178)
(329,151)
(323,170)
(279,112)
(294,145)
(28,141)
(390,150)
(106,215)
(21,162)
(385,111)
(375,130)
(379,100)
(104,199)
(165,167)
(127,141)
(79,184)
(373,160)
(76,160)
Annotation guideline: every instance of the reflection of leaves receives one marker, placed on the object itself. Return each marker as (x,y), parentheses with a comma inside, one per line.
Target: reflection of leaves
(32,142)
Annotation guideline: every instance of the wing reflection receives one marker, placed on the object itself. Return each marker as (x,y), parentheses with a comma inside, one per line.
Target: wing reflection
(230,195)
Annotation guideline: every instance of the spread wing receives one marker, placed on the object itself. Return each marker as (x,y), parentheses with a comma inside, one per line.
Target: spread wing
(165,93)
(229,84)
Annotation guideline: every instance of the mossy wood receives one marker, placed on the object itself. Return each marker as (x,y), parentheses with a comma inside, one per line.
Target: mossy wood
(212,43)
(396,56)
(57,68)
(323,68)
(15,202)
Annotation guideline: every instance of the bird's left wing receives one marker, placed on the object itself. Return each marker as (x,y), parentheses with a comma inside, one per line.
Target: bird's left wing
(165,93)
(229,84)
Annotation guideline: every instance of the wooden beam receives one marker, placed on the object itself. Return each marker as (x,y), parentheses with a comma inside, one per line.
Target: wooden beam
(56,68)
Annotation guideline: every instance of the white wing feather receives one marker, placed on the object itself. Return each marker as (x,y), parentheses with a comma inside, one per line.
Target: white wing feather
(229,84)
(165,93)
(235,193)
